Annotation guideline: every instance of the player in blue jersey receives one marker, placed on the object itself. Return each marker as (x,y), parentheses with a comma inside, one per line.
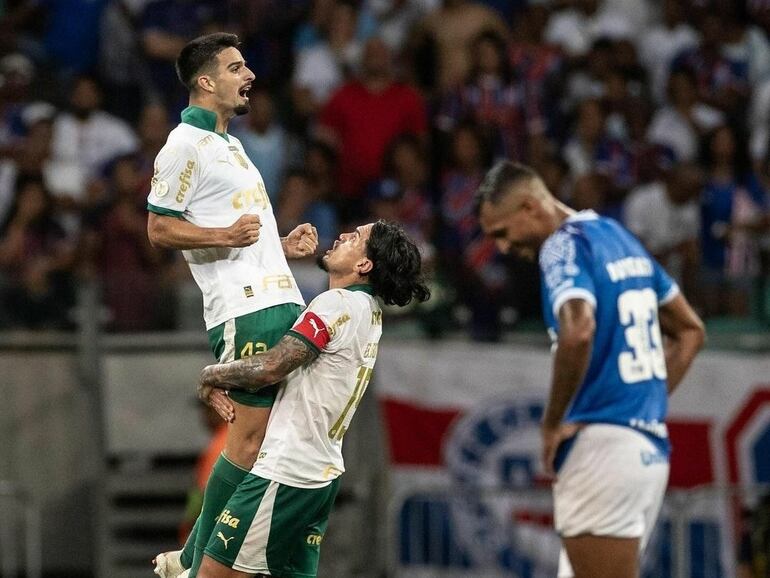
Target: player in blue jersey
(624,337)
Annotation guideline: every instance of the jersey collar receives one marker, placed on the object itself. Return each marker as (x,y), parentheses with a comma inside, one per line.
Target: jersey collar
(202,119)
(586,215)
(365,287)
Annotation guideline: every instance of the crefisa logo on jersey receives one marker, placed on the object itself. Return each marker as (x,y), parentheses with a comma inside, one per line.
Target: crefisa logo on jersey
(500,517)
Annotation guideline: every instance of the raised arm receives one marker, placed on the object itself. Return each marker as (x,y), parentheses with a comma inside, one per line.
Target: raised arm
(301,242)
(171,232)
(684,336)
(570,364)
(259,370)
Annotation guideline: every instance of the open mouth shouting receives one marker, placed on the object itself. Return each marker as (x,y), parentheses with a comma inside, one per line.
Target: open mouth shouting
(244,91)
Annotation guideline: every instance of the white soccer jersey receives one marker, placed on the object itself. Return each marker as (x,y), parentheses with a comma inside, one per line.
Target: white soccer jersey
(207,179)
(303,442)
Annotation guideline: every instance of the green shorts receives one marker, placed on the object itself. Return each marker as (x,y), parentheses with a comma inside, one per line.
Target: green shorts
(249,334)
(271,528)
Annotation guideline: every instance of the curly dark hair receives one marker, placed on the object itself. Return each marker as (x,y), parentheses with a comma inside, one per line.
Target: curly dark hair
(396,276)
(200,54)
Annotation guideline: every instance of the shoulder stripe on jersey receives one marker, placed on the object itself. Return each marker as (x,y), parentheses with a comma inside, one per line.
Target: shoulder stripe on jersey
(671,295)
(163,211)
(313,329)
(573,293)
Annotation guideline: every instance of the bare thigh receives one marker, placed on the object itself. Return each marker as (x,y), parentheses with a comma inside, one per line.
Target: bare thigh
(210,568)
(245,434)
(603,556)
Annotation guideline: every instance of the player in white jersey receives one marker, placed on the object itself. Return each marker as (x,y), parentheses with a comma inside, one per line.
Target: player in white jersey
(209,200)
(275,521)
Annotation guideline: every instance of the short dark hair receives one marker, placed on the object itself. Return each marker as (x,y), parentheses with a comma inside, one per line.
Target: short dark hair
(200,53)
(396,275)
(498,181)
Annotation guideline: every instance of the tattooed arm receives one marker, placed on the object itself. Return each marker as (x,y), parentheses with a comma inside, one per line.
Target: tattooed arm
(259,370)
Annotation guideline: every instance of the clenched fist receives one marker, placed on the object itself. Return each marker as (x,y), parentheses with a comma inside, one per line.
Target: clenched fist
(244,232)
(301,242)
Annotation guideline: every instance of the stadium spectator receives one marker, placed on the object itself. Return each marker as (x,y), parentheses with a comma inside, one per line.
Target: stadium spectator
(84,139)
(265,28)
(321,168)
(759,12)
(734,211)
(122,69)
(555,174)
(165,26)
(452,29)
(665,216)
(493,98)
(153,130)
(591,149)
(470,261)
(396,20)
(573,27)
(722,81)
(758,121)
(322,67)
(71,44)
(321,17)
(301,202)
(32,154)
(364,116)
(746,43)
(17,73)
(585,78)
(681,123)
(36,261)
(538,65)
(128,267)
(264,140)
(403,195)
(662,42)
(590,192)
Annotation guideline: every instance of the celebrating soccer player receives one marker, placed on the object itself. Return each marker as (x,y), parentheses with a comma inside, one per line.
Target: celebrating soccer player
(275,521)
(209,200)
(608,306)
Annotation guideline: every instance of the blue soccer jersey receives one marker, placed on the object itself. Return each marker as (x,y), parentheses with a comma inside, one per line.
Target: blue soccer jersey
(595,259)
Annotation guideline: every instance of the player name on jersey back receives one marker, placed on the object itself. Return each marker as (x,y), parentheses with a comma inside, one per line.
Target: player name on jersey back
(629,267)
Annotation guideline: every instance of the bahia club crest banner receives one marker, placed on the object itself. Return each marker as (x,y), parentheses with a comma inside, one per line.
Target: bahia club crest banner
(468,497)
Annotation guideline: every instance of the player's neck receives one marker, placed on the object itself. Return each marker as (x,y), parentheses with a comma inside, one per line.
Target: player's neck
(561,213)
(342,281)
(222,118)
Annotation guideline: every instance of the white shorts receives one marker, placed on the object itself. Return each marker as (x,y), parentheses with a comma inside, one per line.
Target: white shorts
(611,484)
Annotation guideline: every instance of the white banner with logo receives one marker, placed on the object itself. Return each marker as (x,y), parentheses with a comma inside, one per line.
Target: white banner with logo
(462,424)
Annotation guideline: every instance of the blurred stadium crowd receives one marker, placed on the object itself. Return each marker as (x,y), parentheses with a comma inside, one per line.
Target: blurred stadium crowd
(656,113)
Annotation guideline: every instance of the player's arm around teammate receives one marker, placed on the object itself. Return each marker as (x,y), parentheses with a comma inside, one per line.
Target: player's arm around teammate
(252,373)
